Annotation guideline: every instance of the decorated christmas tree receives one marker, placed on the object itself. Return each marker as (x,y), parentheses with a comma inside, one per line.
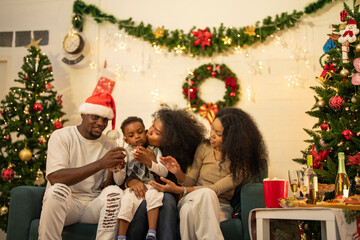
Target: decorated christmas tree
(28,115)
(337,101)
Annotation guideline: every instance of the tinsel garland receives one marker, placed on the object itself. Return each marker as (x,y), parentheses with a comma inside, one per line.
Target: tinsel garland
(172,40)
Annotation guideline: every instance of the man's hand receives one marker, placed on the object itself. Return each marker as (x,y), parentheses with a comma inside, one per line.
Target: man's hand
(138,187)
(113,157)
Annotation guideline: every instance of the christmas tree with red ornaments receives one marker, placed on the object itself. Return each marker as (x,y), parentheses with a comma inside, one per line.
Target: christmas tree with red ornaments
(29,113)
(337,101)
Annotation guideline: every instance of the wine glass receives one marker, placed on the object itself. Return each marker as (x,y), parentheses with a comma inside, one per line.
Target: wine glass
(114,135)
(303,184)
(294,181)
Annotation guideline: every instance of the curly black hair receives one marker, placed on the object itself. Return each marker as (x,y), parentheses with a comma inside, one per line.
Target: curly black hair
(242,143)
(181,136)
(131,120)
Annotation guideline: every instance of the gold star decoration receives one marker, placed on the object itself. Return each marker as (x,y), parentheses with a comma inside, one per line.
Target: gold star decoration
(34,43)
(159,32)
(250,31)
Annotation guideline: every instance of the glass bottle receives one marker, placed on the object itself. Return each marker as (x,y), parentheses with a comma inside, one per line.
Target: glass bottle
(313,181)
(342,183)
(357,183)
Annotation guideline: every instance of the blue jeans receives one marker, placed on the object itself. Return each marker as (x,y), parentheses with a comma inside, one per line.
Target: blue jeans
(168,221)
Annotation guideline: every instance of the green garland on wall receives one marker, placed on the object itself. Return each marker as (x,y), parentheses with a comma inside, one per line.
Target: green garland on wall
(222,40)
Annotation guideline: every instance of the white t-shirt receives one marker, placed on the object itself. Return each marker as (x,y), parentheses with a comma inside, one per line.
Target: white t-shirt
(67,148)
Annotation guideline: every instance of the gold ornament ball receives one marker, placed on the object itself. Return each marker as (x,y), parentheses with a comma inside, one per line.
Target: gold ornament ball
(342,27)
(344,72)
(4,210)
(25,155)
(353,99)
(321,103)
(357,47)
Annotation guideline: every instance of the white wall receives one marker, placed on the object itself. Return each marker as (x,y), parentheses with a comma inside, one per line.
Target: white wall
(278,109)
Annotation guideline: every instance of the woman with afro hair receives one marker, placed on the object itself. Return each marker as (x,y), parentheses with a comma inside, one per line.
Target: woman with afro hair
(234,153)
(177,133)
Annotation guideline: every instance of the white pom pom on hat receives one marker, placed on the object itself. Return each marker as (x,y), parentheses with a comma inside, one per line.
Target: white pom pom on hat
(101,104)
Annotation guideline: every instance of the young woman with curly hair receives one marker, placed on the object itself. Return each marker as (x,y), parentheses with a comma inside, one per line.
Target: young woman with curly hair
(176,133)
(234,153)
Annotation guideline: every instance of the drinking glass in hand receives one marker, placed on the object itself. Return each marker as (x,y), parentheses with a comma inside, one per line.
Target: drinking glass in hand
(294,181)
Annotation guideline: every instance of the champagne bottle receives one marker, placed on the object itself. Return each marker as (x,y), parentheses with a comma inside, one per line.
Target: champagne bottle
(342,183)
(312,178)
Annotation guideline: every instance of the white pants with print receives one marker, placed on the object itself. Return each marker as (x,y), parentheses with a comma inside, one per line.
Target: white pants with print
(61,209)
(130,203)
(200,216)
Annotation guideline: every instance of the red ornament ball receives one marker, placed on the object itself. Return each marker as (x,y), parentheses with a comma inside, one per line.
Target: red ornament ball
(7,174)
(347,134)
(191,82)
(49,67)
(324,126)
(208,68)
(48,86)
(26,78)
(232,94)
(343,15)
(28,122)
(213,74)
(37,107)
(58,125)
(336,102)
(7,137)
(2,112)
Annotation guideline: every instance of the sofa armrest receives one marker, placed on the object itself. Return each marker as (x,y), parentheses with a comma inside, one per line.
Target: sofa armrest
(252,196)
(25,205)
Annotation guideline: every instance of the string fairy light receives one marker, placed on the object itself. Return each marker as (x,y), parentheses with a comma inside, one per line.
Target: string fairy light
(250,94)
(156,96)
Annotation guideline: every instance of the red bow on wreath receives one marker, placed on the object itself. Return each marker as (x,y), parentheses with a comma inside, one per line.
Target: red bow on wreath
(192,91)
(231,82)
(319,157)
(327,68)
(208,111)
(203,38)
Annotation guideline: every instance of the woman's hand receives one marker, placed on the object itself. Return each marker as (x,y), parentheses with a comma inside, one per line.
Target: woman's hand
(145,155)
(170,186)
(171,164)
(138,187)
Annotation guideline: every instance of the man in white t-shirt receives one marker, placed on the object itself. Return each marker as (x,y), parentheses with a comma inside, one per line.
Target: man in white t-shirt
(78,159)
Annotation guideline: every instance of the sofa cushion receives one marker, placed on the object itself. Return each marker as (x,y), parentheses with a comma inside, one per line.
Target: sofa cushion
(79,231)
(232,229)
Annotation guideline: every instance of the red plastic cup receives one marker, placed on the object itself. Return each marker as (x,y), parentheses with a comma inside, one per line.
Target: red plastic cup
(274,190)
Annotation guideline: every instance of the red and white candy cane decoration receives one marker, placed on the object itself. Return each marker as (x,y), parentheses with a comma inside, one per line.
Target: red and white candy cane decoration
(348,35)
(345,50)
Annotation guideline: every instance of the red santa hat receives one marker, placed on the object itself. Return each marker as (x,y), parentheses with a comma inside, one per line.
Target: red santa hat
(351,21)
(101,104)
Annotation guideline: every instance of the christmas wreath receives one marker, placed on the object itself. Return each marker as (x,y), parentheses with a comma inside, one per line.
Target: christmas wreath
(191,86)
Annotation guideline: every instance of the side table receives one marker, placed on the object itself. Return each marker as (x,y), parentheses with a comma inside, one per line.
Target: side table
(325,215)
